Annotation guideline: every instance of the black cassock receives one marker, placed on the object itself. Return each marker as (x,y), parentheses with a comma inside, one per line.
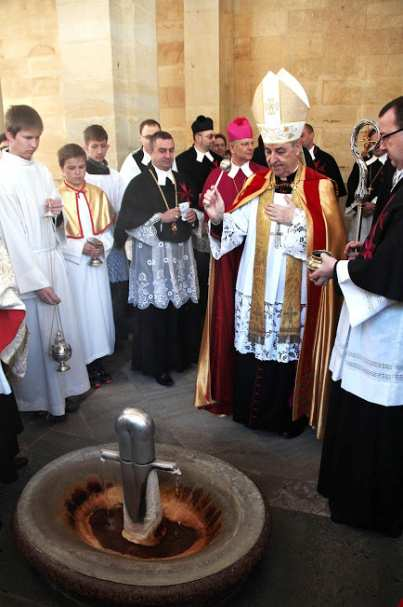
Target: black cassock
(325,164)
(163,339)
(361,469)
(378,179)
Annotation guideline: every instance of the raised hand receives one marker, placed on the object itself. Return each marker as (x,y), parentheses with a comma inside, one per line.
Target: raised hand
(214,204)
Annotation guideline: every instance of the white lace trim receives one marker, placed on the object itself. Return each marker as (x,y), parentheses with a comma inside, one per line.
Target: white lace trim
(271,349)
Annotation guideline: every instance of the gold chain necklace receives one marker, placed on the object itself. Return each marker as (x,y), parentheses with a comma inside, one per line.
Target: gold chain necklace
(173,225)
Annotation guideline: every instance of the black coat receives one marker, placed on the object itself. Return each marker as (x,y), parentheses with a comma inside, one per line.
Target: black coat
(379,268)
(196,172)
(325,164)
(142,199)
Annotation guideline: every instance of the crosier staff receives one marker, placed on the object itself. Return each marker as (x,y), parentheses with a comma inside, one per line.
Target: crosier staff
(362,191)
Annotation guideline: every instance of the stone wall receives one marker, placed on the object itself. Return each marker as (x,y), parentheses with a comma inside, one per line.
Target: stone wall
(170,36)
(348,56)
(31,69)
(119,61)
(80,62)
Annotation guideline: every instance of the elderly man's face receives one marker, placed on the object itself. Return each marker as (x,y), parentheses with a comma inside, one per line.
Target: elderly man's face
(163,154)
(282,158)
(241,150)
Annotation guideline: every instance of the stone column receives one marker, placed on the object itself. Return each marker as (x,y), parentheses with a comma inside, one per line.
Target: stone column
(1,112)
(134,69)
(208,60)
(108,55)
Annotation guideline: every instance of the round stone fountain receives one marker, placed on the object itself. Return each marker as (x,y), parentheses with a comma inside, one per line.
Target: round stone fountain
(214,529)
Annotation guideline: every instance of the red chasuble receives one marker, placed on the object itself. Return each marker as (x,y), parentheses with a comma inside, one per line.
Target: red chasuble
(10,321)
(325,231)
(217,354)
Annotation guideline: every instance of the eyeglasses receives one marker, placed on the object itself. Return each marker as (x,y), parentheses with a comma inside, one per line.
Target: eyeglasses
(386,135)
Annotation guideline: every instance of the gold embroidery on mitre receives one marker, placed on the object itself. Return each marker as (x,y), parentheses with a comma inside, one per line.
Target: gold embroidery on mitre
(280,106)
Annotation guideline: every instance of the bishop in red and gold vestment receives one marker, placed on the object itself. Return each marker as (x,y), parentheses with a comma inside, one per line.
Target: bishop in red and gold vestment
(284,325)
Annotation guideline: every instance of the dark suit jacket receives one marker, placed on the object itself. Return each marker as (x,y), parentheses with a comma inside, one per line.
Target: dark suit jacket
(196,172)
(325,163)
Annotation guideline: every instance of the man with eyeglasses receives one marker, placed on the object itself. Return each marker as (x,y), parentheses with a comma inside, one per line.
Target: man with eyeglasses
(137,162)
(196,163)
(361,468)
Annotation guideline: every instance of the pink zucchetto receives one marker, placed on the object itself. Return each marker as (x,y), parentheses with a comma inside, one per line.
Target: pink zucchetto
(239,128)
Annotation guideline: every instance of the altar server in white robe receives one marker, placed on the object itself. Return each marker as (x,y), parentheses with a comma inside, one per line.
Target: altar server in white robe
(27,191)
(111,182)
(361,469)
(89,230)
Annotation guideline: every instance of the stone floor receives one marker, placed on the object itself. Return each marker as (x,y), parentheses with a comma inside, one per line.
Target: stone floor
(310,561)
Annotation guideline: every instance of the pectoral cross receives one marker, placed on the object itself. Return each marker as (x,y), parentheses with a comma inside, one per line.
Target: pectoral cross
(277,237)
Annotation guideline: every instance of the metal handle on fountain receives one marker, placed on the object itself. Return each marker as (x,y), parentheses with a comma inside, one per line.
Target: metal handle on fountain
(135,430)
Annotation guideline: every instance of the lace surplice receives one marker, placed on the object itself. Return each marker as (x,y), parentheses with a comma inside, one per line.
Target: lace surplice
(238,227)
(161,272)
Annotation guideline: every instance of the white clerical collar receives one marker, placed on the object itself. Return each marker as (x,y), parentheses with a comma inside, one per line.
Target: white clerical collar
(397,176)
(312,152)
(17,160)
(163,175)
(375,158)
(200,155)
(146,158)
(245,168)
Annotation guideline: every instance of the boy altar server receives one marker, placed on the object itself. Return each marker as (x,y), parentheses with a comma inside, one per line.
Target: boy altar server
(89,221)
(111,182)
(27,191)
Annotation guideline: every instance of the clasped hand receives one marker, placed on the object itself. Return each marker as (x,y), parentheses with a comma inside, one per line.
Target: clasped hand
(325,271)
(54,205)
(174,214)
(281,214)
(93,248)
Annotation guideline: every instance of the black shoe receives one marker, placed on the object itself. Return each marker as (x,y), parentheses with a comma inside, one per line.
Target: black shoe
(95,380)
(164,379)
(72,405)
(105,377)
(56,419)
(20,461)
(296,428)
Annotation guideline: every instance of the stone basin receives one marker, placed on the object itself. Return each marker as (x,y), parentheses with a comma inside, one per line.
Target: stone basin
(230,501)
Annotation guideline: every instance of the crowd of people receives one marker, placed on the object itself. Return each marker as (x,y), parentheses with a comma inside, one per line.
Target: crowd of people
(202,257)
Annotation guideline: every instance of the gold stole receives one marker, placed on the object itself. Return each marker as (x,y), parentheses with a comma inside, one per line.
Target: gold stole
(290,327)
(102,216)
